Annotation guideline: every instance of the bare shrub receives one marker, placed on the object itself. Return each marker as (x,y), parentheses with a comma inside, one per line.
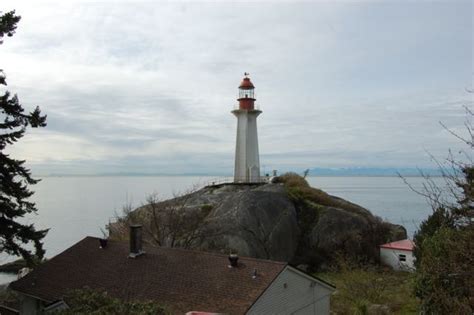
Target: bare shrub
(169,223)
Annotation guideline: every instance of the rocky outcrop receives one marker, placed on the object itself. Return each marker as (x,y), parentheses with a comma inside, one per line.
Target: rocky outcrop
(286,220)
(257,221)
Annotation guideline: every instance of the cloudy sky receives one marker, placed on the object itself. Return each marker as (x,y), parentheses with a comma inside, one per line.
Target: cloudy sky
(148,87)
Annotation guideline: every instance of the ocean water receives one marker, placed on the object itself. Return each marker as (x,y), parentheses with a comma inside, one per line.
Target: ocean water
(387,197)
(75,207)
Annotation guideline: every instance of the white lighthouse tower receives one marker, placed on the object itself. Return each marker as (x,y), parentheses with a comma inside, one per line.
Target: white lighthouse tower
(247,161)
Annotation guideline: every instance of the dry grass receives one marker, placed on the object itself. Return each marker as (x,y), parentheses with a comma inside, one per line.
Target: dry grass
(299,190)
(359,288)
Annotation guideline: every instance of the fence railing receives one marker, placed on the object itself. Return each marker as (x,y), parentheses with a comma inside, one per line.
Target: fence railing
(231,180)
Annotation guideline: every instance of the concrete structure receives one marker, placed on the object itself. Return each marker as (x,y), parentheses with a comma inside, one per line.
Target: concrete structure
(247,161)
(398,255)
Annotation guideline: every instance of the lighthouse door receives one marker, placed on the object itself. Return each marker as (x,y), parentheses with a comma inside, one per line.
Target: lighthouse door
(254,172)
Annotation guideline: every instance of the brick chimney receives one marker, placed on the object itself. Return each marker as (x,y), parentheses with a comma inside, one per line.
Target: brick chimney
(234,260)
(135,241)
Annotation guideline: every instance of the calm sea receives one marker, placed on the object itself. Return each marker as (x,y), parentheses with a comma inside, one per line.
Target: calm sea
(74,207)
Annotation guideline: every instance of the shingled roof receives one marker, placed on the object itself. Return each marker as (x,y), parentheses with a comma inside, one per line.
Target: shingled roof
(183,280)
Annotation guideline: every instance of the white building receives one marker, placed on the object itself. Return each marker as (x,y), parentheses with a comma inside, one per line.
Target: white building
(247,161)
(398,255)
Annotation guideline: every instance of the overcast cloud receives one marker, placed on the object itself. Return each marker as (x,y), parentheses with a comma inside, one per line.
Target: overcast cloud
(148,87)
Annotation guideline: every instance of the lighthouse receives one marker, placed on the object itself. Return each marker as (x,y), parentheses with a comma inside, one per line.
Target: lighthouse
(247,161)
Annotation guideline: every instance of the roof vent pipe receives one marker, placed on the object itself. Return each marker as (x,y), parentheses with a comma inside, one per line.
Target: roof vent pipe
(135,241)
(234,260)
(103,242)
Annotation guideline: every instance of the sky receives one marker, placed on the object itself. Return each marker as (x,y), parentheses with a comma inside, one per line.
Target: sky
(148,87)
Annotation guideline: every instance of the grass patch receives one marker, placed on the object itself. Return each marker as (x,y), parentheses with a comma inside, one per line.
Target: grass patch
(299,190)
(207,208)
(308,216)
(359,288)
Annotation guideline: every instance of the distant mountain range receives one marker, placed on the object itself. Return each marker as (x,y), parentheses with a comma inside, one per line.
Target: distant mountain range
(370,171)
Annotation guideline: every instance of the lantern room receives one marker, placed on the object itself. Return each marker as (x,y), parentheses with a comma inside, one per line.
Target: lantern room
(246,94)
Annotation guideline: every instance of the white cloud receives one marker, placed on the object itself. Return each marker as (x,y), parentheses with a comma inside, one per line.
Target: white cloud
(340,84)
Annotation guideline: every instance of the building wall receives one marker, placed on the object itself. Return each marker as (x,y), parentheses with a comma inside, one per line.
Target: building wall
(240,145)
(253,159)
(391,257)
(293,293)
(247,164)
(29,305)
(32,306)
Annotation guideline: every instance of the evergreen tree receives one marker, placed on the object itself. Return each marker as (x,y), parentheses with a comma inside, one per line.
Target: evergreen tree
(15,237)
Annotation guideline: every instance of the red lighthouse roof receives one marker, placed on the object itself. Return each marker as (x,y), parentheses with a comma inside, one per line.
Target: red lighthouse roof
(246,84)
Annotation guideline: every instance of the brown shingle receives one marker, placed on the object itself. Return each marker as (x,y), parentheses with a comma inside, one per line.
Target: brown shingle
(183,280)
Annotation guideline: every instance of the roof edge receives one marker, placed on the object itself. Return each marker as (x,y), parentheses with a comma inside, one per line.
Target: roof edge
(406,245)
(397,248)
(314,278)
(201,252)
(32,296)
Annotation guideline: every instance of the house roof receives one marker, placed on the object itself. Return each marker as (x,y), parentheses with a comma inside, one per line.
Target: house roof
(401,245)
(183,280)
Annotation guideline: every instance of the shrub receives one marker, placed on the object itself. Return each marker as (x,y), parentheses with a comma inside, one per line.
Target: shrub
(206,208)
(299,190)
(97,302)
(360,288)
(444,244)
(438,219)
(445,279)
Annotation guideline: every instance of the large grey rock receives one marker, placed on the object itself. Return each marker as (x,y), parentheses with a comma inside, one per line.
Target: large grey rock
(263,221)
(336,227)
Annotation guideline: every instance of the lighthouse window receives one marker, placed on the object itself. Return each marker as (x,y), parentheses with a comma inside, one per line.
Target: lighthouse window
(246,93)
